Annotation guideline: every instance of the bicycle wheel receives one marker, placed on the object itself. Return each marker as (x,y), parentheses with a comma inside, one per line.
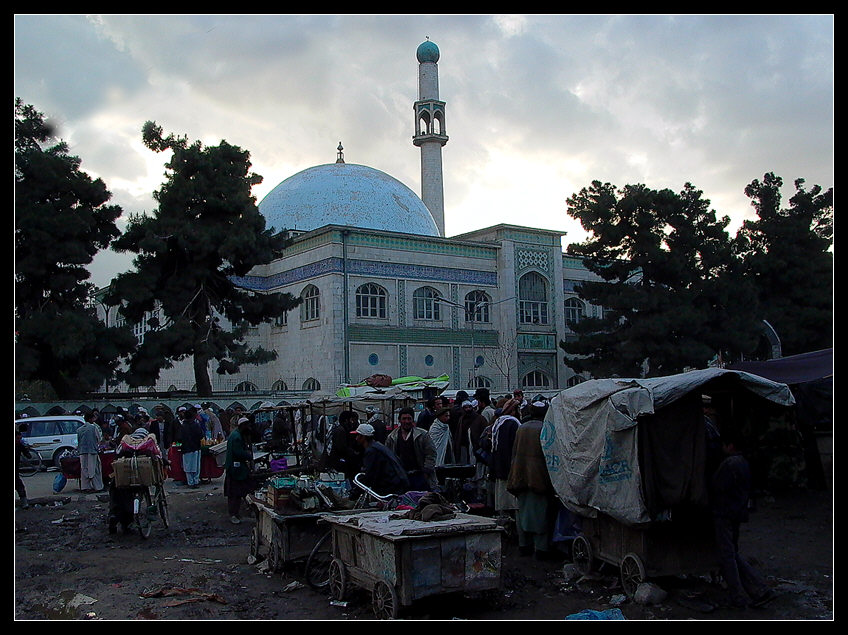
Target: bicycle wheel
(30,465)
(317,570)
(141,504)
(162,505)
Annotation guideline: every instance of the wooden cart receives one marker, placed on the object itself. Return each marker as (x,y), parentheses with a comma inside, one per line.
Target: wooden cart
(404,560)
(285,538)
(658,549)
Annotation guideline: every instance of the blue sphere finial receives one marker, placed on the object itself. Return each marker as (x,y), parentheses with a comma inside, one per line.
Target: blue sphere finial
(427,52)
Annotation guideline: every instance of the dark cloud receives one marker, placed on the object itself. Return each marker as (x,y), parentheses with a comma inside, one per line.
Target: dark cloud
(715,100)
(63,66)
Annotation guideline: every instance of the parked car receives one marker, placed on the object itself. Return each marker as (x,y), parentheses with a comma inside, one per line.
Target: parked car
(50,436)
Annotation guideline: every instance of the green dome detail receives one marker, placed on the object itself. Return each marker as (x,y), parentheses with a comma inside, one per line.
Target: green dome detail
(427,52)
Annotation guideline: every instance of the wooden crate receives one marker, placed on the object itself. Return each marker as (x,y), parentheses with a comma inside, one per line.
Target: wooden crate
(278,498)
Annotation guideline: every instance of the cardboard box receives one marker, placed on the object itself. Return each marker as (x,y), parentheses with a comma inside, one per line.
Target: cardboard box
(278,498)
(137,470)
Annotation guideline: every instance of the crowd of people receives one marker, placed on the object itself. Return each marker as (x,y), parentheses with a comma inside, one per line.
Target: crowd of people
(394,457)
(500,439)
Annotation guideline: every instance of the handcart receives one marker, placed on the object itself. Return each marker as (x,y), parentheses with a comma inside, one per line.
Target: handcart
(631,458)
(660,549)
(284,538)
(399,560)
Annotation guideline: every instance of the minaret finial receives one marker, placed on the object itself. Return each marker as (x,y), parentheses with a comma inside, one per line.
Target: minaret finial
(340,155)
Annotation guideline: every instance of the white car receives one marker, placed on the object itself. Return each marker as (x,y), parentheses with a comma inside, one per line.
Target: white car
(50,436)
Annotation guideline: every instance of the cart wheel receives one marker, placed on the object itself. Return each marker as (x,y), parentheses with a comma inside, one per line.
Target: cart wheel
(275,550)
(337,580)
(632,573)
(318,563)
(384,601)
(582,555)
(255,542)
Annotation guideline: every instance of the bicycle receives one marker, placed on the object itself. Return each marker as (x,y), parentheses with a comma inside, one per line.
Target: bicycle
(317,569)
(146,508)
(30,465)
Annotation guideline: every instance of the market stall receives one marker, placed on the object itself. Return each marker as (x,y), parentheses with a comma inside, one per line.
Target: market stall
(311,421)
(71,465)
(209,467)
(287,508)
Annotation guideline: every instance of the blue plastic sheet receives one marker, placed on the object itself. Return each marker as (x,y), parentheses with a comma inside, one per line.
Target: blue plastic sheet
(59,482)
(589,614)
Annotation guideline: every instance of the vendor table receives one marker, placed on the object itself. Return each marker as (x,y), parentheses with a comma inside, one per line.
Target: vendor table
(400,560)
(209,468)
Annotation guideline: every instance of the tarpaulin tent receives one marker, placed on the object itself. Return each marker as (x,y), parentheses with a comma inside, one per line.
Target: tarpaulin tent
(631,448)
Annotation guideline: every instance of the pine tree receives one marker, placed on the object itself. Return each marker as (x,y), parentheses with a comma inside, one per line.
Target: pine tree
(206,231)
(671,290)
(786,254)
(62,220)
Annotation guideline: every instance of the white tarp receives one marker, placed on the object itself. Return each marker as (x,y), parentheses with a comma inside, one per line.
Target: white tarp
(589,437)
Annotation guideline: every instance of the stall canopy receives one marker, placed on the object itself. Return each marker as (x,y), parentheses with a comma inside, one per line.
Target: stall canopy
(795,369)
(410,385)
(590,441)
(810,375)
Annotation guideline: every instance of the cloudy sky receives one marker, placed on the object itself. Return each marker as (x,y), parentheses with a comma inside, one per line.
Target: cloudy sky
(538,106)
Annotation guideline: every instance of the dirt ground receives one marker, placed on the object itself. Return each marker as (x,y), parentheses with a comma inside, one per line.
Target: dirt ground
(68,567)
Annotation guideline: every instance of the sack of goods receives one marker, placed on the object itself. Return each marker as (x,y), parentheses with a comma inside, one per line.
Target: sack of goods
(137,470)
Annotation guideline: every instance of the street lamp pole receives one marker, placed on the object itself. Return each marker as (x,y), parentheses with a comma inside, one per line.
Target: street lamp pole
(472,314)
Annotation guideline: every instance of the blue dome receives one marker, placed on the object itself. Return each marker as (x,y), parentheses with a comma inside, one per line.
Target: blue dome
(427,52)
(346,194)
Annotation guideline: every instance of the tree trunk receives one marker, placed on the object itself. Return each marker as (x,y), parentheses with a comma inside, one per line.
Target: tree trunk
(201,375)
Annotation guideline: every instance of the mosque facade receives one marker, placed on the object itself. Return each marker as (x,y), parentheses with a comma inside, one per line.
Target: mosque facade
(386,292)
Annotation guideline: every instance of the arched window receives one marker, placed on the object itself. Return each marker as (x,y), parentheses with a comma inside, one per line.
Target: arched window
(312,384)
(532,299)
(535,379)
(425,304)
(246,386)
(574,380)
(310,309)
(575,311)
(279,385)
(477,306)
(370,301)
(424,123)
(480,382)
(439,122)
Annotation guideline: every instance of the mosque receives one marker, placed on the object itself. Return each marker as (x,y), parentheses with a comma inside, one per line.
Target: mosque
(385,291)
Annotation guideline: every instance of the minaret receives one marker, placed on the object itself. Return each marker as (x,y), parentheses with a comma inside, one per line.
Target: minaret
(430,132)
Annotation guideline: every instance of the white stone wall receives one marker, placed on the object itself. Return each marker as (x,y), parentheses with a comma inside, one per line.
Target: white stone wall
(316,349)
(432,186)
(428,81)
